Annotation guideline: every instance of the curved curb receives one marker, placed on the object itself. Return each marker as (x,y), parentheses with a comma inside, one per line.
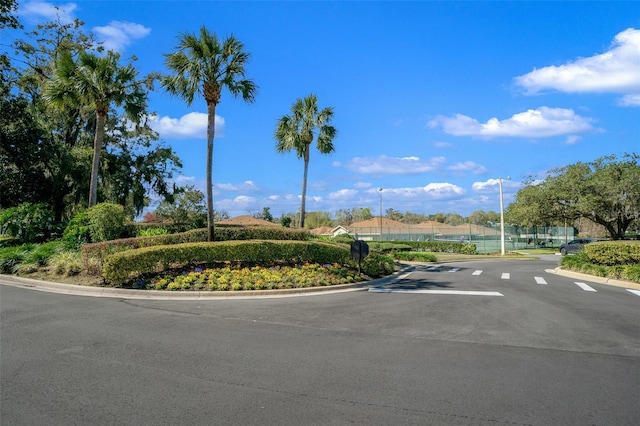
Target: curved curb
(122,293)
(594,279)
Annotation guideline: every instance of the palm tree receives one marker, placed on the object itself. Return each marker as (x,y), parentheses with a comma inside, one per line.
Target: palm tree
(297,131)
(96,83)
(205,65)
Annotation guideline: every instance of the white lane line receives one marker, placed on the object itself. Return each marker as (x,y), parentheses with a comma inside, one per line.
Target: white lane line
(585,287)
(451,292)
(477,272)
(454,269)
(636,292)
(540,280)
(506,275)
(405,275)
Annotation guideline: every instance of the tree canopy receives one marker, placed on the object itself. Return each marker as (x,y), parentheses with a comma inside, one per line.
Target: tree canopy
(605,191)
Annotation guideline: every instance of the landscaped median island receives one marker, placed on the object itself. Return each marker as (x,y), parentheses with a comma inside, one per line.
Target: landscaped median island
(242,258)
(610,259)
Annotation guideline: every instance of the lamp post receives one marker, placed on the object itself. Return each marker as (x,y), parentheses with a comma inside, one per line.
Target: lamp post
(501,219)
(380,193)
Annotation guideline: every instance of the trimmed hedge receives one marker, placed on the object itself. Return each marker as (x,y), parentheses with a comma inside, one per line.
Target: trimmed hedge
(440,246)
(100,251)
(614,252)
(124,266)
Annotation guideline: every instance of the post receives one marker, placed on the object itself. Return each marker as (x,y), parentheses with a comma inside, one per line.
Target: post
(380,192)
(501,219)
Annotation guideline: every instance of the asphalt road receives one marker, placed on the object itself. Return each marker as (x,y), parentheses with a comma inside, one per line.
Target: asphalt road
(527,348)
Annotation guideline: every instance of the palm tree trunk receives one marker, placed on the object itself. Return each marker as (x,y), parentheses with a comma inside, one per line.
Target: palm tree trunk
(211,117)
(304,187)
(101,119)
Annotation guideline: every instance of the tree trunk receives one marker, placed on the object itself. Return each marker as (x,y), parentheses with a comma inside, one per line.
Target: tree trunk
(304,186)
(101,119)
(211,119)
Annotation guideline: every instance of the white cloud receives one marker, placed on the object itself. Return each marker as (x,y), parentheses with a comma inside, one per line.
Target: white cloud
(343,194)
(41,10)
(614,71)
(384,165)
(535,123)
(469,166)
(246,186)
(118,35)
(434,191)
(493,185)
(191,125)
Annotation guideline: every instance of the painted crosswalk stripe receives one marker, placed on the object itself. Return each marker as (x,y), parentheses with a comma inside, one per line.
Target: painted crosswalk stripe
(454,269)
(636,292)
(433,268)
(478,272)
(585,287)
(540,280)
(450,292)
(506,275)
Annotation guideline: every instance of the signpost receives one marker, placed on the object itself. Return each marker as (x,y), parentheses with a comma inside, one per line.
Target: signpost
(359,250)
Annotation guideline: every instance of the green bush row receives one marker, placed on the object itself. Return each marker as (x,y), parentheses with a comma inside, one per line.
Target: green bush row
(582,263)
(99,251)
(118,268)
(614,252)
(386,247)
(437,246)
(415,256)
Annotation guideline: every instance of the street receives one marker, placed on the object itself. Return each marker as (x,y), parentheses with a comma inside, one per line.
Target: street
(469,343)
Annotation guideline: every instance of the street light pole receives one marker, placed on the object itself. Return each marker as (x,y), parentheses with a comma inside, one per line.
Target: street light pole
(501,219)
(380,193)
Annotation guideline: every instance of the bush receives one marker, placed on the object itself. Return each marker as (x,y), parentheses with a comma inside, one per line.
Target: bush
(414,256)
(27,222)
(66,263)
(77,231)
(106,221)
(387,247)
(442,246)
(99,251)
(150,232)
(123,266)
(613,252)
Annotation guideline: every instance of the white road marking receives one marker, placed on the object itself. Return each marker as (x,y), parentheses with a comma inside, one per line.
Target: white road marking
(506,275)
(636,292)
(585,287)
(477,272)
(452,292)
(540,280)
(433,268)
(454,269)
(403,276)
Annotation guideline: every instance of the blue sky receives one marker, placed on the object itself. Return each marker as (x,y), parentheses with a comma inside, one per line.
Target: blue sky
(434,101)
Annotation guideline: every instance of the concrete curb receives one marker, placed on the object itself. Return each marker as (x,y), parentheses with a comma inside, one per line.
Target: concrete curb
(594,279)
(122,293)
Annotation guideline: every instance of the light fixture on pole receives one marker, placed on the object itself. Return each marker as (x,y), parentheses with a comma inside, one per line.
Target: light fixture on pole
(501,219)
(380,192)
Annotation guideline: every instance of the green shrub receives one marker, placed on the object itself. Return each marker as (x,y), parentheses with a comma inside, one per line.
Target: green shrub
(106,221)
(77,231)
(12,257)
(414,256)
(121,267)
(66,263)
(27,222)
(442,246)
(613,252)
(150,232)
(387,247)
(632,273)
(97,252)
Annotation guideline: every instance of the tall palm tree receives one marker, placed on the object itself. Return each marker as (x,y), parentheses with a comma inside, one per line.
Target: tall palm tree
(297,131)
(204,65)
(96,83)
